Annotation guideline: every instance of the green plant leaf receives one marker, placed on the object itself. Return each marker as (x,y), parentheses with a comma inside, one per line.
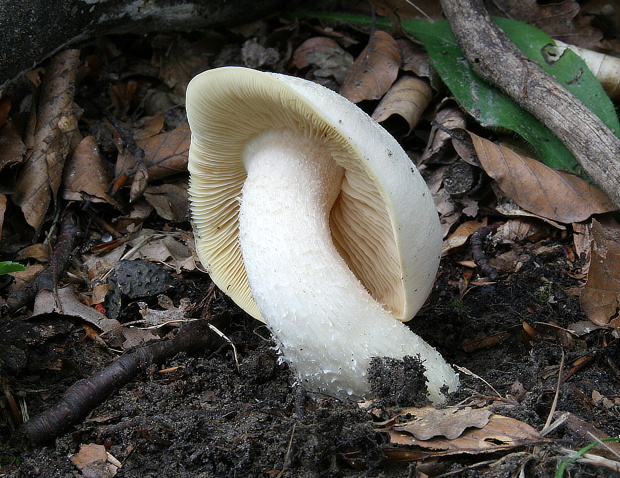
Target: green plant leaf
(6,267)
(488,105)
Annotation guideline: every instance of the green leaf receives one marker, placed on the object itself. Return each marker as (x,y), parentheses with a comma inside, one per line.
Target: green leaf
(6,267)
(490,106)
(569,69)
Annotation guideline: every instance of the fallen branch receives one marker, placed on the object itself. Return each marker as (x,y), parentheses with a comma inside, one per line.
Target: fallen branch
(593,144)
(86,394)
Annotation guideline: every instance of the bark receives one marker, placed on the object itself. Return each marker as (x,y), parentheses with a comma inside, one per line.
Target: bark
(593,144)
(32,30)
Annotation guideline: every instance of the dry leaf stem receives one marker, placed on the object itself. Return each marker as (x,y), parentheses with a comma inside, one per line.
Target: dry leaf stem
(593,144)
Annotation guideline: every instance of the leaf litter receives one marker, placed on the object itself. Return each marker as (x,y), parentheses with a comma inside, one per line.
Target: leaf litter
(551,257)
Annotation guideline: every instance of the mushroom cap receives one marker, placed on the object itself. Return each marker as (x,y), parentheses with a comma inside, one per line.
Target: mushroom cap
(384,222)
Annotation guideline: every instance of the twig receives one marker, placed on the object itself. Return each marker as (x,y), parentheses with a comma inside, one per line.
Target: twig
(592,143)
(48,278)
(88,393)
(480,258)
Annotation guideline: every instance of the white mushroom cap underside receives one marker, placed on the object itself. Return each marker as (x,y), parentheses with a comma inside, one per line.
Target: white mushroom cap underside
(384,222)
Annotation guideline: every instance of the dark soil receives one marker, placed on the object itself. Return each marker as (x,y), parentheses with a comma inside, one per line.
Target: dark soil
(208,419)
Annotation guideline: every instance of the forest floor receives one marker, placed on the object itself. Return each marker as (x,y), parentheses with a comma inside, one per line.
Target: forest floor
(539,379)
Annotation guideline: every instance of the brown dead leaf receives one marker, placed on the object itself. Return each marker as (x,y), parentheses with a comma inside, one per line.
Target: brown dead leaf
(85,177)
(450,423)
(374,70)
(94,461)
(439,149)
(5,109)
(461,235)
(408,98)
(165,154)
(148,127)
(57,114)
(406,9)
(12,148)
(500,433)
(328,58)
(544,191)
(179,59)
(170,200)
(601,296)
(2,211)
(413,58)
(68,304)
(554,18)
(521,229)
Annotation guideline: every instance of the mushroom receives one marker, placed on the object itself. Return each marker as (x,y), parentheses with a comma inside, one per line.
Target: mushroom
(312,218)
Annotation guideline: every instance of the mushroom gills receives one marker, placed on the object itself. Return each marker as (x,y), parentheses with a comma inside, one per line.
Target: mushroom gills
(326,324)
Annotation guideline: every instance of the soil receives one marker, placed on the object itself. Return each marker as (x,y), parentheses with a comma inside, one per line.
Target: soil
(206,418)
(228,412)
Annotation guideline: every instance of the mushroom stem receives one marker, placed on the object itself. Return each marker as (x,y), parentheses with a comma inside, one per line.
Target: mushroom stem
(325,322)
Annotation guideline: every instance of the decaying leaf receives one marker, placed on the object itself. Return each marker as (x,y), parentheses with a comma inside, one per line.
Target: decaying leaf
(555,18)
(460,236)
(601,296)
(41,173)
(374,70)
(539,189)
(414,58)
(170,200)
(66,303)
(408,98)
(94,461)
(12,148)
(2,211)
(165,154)
(429,422)
(326,55)
(84,176)
(499,433)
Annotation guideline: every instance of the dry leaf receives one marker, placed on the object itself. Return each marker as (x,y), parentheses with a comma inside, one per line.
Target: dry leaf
(41,173)
(430,422)
(406,9)
(94,461)
(2,211)
(601,296)
(408,98)
(439,149)
(12,148)
(522,229)
(67,304)
(557,19)
(180,59)
(374,70)
(326,55)
(170,200)
(85,177)
(460,236)
(166,154)
(500,433)
(148,126)
(413,58)
(544,191)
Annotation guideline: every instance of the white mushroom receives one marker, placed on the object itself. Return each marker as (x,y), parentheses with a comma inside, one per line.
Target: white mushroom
(311,217)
